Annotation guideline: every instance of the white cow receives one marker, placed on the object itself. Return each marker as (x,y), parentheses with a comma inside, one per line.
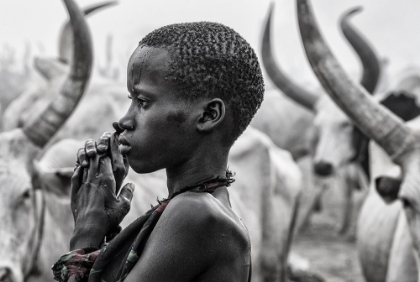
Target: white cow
(335,155)
(20,220)
(388,235)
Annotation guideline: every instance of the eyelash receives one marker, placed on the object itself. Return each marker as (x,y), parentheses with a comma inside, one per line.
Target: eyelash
(140,101)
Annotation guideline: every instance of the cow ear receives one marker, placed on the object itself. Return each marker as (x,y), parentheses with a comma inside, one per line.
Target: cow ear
(50,68)
(388,188)
(55,180)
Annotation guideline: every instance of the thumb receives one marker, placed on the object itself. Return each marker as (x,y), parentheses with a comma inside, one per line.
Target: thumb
(125,197)
(76,180)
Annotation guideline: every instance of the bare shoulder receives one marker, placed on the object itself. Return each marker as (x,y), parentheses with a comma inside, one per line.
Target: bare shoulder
(206,216)
(197,238)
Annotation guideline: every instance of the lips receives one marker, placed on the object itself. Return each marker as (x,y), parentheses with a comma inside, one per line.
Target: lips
(124,146)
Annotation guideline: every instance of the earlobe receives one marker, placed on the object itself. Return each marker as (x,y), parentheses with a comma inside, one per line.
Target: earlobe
(213,113)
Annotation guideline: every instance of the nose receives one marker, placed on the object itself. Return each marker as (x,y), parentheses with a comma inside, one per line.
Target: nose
(126,123)
(323,168)
(5,274)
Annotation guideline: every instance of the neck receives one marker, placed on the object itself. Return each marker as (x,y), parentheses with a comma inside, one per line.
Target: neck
(204,165)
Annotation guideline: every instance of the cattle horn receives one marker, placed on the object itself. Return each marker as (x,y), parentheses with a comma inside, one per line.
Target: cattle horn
(47,124)
(370,62)
(278,77)
(374,120)
(66,36)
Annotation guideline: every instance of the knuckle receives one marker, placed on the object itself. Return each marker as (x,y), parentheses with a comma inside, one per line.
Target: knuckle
(108,178)
(89,143)
(125,206)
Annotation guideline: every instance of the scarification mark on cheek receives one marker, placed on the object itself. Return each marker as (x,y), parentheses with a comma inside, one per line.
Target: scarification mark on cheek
(179,117)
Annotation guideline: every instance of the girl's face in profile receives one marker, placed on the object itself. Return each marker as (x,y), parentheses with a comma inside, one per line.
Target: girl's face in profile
(158,125)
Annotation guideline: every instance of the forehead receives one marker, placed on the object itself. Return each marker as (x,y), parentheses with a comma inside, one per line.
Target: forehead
(148,64)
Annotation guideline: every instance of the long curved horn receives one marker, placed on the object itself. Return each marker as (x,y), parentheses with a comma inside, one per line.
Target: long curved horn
(370,62)
(47,124)
(278,77)
(66,36)
(374,120)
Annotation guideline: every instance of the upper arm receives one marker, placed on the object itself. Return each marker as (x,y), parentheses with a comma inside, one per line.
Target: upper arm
(184,243)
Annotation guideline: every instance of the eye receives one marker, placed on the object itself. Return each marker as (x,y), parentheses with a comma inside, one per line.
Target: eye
(406,203)
(140,101)
(345,125)
(24,197)
(27,194)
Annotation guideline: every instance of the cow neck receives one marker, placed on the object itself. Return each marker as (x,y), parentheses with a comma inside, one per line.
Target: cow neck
(37,235)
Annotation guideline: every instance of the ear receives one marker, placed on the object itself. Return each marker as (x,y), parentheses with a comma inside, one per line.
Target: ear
(388,188)
(213,113)
(56,181)
(50,68)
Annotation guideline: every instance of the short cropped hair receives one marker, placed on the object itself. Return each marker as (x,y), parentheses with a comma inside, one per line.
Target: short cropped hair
(212,60)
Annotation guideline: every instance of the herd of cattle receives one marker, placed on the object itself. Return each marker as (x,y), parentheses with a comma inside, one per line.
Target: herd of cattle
(298,141)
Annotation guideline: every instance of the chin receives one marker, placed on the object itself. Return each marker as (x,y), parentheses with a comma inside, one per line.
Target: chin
(140,167)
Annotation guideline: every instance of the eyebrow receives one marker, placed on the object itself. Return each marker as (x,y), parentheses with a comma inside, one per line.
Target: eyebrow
(138,90)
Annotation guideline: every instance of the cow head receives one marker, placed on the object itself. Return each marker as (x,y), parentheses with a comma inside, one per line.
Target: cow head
(334,145)
(54,71)
(20,213)
(398,139)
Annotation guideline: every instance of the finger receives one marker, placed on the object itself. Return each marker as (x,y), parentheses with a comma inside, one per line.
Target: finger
(125,198)
(103,143)
(127,191)
(76,180)
(90,148)
(82,159)
(117,127)
(119,166)
(105,167)
(100,167)
(126,166)
(85,175)
(93,171)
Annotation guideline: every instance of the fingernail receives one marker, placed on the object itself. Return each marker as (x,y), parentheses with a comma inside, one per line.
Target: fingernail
(101,148)
(90,154)
(85,163)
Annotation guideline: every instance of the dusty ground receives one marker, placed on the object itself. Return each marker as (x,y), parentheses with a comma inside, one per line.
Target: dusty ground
(330,255)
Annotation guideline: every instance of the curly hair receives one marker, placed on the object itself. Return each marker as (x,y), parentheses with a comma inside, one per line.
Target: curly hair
(212,60)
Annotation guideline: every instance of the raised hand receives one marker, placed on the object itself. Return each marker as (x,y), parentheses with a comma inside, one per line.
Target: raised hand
(96,208)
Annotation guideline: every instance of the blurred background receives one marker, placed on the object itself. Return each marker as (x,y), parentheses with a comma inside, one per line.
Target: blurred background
(32,27)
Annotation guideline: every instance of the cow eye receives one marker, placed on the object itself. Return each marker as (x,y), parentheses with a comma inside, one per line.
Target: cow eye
(405,203)
(345,125)
(26,194)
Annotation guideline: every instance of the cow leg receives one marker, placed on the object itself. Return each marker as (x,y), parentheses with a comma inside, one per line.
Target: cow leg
(317,207)
(347,209)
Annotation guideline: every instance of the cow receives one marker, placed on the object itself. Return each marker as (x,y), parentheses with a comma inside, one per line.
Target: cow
(36,99)
(339,142)
(18,148)
(334,137)
(388,234)
(16,76)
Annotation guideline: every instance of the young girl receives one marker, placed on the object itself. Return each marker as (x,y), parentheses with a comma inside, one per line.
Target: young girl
(194,89)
